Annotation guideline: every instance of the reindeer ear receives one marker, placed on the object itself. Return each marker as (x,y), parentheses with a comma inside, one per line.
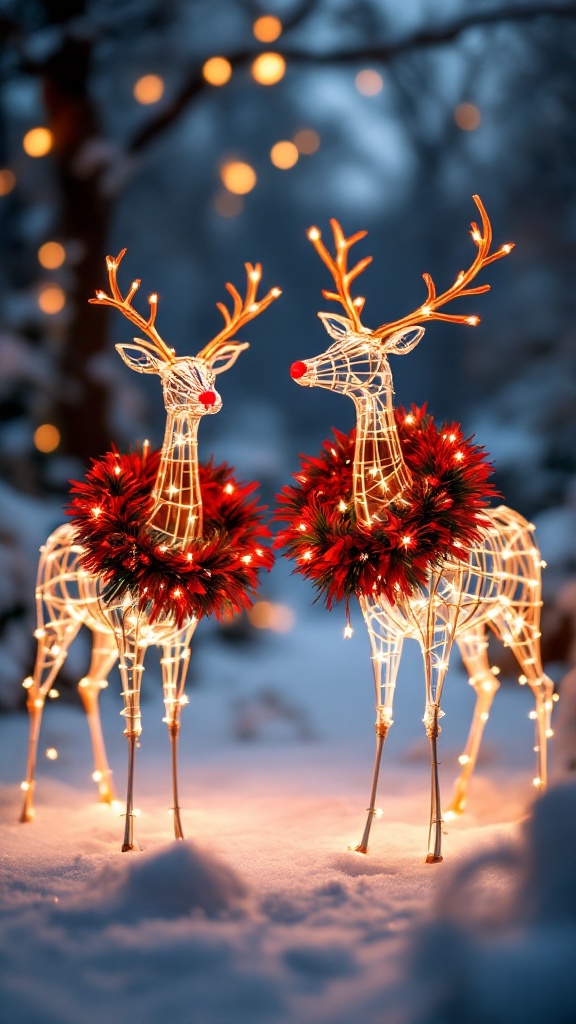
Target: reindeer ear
(139,358)
(337,326)
(226,356)
(403,341)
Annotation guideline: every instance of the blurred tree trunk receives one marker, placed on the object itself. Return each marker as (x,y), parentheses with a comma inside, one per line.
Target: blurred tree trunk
(81,409)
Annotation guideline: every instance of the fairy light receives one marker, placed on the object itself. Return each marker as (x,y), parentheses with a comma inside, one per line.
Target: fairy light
(494,589)
(217,71)
(7,181)
(307,141)
(369,82)
(38,142)
(284,155)
(52,754)
(268,68)
(267,28)
(227,204)
(279,618)
(51,255)
(46,438)
(52,299)
(148,89)
(238,177)
(467,117)
(68,595)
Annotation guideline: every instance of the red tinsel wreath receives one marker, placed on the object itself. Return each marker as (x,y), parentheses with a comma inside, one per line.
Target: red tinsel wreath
(449,488)
(215,575)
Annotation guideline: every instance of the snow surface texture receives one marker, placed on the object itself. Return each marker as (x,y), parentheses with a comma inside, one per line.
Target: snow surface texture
(263,916)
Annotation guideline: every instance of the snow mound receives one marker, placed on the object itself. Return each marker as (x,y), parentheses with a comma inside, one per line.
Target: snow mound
(503,946)
(173,881)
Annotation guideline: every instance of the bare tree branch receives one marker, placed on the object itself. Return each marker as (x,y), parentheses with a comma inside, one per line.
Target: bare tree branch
(380,53)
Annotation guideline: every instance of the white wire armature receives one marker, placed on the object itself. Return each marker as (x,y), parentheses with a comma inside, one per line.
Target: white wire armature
(497,587)
(67,596)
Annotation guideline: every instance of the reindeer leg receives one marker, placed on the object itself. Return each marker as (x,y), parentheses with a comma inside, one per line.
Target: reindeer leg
(131,649)
(53,643)
(474,650)
(436,641)
(175,661)
(386,653)
(525,645)
(104,656)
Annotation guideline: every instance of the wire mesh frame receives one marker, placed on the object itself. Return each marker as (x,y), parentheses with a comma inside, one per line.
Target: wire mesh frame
(500,588)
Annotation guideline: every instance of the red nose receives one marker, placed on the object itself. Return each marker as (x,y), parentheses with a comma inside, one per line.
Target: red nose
(298,369)
(207,398)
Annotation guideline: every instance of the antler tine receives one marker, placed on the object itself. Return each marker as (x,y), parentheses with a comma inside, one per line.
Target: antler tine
(243,310)
(124,304)
(338,268)
(482,237)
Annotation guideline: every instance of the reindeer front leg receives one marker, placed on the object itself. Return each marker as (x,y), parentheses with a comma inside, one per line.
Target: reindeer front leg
(386,653)
(131,649)
(175,661)
(436,640)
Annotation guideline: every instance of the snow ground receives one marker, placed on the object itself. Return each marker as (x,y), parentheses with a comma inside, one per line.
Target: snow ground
(263,916)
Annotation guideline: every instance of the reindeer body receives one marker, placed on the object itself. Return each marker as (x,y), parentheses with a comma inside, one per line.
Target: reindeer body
(498,586)
(69,596)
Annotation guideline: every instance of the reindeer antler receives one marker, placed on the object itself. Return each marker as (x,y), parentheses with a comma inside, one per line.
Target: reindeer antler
(428,309)
(124,304)
(338,267)
(243,310)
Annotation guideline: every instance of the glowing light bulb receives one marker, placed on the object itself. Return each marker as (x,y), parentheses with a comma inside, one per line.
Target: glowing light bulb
(51,255)
(52,299)
(307,141)
(268,68)
(267,28)
(38,142)
(7,181)
(217,71)
(369,82)
(284,155)
(238,177)
(148,89)
(467,117)
(46,438)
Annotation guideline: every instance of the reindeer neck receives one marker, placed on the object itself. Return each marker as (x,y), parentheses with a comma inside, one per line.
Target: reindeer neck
(177,510)
(380,475)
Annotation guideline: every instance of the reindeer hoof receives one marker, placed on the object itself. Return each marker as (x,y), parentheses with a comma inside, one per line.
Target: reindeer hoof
(433,859)
(126,847)
(361,849)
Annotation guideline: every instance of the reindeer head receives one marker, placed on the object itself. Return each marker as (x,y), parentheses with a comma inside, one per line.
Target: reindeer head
(187,381)
(357,361)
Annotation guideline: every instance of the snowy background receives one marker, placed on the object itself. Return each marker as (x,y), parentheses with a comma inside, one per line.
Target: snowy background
(263,914)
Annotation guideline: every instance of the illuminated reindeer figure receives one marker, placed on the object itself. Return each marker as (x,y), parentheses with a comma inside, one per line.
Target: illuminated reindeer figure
(499,585)
(68,596)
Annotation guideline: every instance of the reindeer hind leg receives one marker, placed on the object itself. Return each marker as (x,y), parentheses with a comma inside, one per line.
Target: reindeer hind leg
(104,657)
(56,629)
(474,650)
